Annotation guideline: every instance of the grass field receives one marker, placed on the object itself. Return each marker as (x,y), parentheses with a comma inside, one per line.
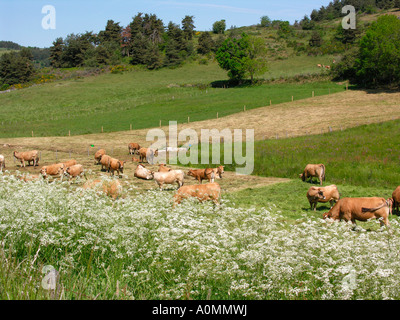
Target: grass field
(138,98)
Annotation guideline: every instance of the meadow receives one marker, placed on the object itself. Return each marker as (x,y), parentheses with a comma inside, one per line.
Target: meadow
(140,248)
(141,98)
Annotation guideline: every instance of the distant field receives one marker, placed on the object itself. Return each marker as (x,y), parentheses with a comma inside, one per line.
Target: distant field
(140,99)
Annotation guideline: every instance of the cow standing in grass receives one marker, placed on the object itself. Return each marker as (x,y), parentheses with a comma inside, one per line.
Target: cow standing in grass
(29,156)
(314,170)
(396,199)
(322,194)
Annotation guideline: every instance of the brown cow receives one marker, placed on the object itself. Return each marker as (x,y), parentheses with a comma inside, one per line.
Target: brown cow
(54,170)
(204,192)
(2,163)
(105,159)
(322,194)
(112,189)
(97,156)
(396,199)
(29,156)
(314,170)
(202,174)
(170,177)
(361,209)
(74,171)
(115,165)
(142,172)
(133,147)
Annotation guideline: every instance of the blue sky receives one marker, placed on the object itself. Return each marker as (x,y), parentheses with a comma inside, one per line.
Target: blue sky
(21,20)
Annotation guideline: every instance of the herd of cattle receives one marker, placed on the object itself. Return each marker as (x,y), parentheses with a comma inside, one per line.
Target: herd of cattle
(348,209)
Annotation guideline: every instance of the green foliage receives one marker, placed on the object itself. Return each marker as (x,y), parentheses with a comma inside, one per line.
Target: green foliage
(265,22)
(219,27)
(16,67)
(206,43)
(379,59)
(241,57)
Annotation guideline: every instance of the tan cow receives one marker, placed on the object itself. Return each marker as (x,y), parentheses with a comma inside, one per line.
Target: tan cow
(142,172)
(361,209)
(74,171)
(170,177)
(218,172)
(112,188)
(97,156)
(105,159)
(163,168)
(322,194)
(54,170)
(2,163)
(133,147)
(29,156)
(314,170)
(204,192)
(147,154)
(396,199)
(115,165)
(202,174)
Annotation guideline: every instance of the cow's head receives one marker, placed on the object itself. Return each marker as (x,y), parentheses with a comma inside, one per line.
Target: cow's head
(121,166)
(43,172)
(66,172)
(302,176)
(326,215)
(320,195)
(221,171)
(190,173)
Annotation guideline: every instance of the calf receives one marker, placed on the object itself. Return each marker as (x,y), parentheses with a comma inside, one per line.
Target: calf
(396,199)
(2,163)
(133,147)
(202,174)
(218,172)
(204,192)
(314,170)
(54,170)
(170,177)
(322,194)
(29,156)
(97,156)
(361,209)
(75,171)
(142,172)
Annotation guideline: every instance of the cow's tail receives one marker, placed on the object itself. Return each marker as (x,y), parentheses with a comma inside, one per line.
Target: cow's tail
(385,204)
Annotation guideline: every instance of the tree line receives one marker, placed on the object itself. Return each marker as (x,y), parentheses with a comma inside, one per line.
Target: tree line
(145,41)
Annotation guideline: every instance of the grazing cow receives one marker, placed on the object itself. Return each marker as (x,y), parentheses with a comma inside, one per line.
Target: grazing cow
(54,170)
(105,159)
(314,170)
(322,194)
(170,177)
(202,174)
(142,172)
(163,168)
(29,156)
(74,171)
(133,147)
(147,154)
(328,67)
(112,188)
(396,199)
(218,172)
(115,165)
(361,209)
(97,156)
(204,192)
(319,65)
(2,163)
